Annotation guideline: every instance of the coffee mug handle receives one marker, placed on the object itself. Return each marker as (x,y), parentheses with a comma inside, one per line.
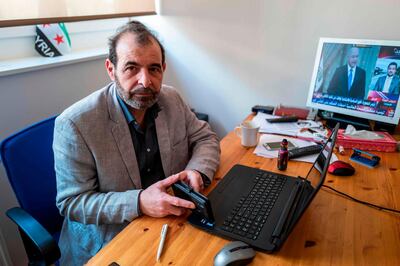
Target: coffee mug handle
(238,131)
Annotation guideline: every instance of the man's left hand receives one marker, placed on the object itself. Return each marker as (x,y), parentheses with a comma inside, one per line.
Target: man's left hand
(193,178)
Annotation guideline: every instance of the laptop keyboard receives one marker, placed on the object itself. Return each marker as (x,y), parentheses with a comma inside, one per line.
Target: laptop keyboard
(250,214)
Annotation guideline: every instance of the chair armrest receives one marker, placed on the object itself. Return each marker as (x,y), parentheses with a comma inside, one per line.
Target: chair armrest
(39,244)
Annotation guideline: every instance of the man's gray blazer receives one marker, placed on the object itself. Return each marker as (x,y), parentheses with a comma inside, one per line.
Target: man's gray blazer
(98,178)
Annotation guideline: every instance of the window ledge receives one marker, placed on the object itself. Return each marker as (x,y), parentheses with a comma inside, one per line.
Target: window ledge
(22,65)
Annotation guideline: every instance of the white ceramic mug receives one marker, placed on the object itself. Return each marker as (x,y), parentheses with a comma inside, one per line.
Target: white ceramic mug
(248,133)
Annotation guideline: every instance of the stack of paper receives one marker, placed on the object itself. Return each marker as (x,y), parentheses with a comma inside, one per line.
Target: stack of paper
(295,129)
(260,150)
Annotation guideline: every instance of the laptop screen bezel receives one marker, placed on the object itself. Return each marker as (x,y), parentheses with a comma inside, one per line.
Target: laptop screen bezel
(331,138)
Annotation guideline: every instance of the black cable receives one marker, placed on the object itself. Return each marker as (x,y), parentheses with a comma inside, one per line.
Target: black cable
(362,202)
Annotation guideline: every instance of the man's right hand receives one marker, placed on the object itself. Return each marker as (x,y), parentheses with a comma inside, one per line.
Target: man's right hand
(156,202)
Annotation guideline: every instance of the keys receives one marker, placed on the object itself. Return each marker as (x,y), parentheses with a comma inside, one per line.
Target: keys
(249,215)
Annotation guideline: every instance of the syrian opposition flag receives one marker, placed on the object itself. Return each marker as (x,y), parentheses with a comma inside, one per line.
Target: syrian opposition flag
(52,40)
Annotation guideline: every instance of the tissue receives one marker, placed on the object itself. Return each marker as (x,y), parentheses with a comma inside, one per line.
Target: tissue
(361,134)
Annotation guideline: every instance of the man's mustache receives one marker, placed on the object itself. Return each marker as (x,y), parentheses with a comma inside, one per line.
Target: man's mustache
(142,90)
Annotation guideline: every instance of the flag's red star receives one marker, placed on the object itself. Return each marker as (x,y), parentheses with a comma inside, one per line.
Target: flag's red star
(59,39)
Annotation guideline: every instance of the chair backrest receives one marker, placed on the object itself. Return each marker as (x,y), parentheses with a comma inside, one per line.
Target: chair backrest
(29,163)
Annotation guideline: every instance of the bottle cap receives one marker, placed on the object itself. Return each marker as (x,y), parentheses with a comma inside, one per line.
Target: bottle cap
(284,144)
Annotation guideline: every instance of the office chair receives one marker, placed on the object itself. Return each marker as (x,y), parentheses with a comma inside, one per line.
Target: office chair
(200,116)
(28,159)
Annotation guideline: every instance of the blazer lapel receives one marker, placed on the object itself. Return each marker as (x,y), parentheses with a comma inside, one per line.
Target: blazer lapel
(393,85)
(164,143)
(123,139)
(122,136)
(356,78)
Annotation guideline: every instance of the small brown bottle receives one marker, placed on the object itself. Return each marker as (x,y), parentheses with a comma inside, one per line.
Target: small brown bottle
(283,155)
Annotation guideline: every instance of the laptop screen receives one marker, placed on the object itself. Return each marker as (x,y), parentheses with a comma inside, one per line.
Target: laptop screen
(315,177)
(317,173)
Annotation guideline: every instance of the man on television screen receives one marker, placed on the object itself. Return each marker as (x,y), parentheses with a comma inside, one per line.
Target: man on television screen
(389,83)
(349,80)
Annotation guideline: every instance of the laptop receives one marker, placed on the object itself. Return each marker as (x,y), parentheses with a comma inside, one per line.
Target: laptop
(261,207)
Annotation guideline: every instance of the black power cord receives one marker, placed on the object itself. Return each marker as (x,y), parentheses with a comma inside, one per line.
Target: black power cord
(362,202)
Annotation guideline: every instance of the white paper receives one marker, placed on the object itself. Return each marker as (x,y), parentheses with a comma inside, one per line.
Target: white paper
(291,128)
(260,150)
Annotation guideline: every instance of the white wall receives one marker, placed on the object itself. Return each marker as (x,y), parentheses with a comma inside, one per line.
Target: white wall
(224,55)
(229,55)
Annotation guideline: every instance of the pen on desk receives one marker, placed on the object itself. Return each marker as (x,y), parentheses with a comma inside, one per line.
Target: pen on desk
(162,240)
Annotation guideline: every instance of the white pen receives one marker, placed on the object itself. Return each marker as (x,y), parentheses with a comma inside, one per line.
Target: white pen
(162,240)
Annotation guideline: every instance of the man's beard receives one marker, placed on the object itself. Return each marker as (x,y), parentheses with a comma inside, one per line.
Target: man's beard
(140,103)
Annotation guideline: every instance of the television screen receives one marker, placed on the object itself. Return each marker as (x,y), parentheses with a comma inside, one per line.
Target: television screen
(358,78)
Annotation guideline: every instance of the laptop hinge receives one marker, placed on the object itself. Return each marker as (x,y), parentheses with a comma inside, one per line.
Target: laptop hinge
(285,215)
(289,211)
(302,178)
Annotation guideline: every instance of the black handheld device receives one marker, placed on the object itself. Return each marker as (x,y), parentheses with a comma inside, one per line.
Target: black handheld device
(203,205)
(283,119)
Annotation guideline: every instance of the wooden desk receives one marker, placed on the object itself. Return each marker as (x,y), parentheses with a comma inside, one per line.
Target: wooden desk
(333,230)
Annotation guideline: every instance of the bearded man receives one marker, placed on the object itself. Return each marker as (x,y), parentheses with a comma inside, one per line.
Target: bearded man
(118,150)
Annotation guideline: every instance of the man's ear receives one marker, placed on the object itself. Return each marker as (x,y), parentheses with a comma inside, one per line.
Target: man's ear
(164,67)
(110,69)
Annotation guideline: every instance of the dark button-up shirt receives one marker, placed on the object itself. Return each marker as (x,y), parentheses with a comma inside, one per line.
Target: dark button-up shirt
(145,144)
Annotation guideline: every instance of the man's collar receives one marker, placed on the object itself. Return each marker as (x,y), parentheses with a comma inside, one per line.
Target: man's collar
(128,116)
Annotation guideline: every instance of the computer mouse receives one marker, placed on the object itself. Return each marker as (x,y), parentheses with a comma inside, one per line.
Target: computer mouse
(234,253)
(341,168)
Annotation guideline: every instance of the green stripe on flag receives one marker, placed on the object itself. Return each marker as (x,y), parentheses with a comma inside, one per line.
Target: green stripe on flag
(64,29)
